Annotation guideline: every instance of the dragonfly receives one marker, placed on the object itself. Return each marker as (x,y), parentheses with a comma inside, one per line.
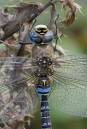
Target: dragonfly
(46,76)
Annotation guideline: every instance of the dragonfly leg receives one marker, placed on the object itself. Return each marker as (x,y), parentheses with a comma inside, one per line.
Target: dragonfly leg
(59,50)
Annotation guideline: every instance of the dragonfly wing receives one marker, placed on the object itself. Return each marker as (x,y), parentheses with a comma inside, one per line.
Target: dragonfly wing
(21,99)
(18,106)
(70,92)
(13,70)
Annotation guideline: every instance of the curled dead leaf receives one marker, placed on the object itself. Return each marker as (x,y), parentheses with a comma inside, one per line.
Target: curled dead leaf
(72,7)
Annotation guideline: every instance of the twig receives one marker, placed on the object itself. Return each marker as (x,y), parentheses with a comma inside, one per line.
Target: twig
(27,15)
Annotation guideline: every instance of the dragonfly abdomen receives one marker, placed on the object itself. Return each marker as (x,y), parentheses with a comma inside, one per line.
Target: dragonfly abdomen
(43,89)
(45,115)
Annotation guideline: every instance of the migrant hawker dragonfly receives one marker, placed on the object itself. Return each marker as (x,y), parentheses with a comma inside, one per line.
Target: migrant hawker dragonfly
(48,74)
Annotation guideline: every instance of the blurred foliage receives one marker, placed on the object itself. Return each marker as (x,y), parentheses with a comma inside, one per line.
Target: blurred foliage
(75,38)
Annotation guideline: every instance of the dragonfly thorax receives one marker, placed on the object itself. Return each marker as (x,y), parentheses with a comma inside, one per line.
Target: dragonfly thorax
(44,68)
(43,72)
(44,62)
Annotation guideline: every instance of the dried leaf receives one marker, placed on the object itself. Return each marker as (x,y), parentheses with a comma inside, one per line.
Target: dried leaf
(73,7)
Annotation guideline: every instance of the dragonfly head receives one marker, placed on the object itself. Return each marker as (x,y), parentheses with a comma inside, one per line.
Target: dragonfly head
(41,29)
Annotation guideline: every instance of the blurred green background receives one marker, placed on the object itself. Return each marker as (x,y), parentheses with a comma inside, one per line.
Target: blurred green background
(75,39)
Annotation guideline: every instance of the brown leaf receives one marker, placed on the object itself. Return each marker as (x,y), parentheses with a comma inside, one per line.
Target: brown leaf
(70,18)
(72,9)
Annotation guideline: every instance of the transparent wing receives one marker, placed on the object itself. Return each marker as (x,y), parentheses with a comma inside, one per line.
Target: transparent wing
(70,80)
(15,69)
(17,96)
(16,105)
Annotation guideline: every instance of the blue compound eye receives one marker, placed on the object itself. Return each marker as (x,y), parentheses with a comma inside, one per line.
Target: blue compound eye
(48,37)
(34,37)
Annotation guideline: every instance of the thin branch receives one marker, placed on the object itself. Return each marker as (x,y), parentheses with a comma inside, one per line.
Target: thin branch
(27,15)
